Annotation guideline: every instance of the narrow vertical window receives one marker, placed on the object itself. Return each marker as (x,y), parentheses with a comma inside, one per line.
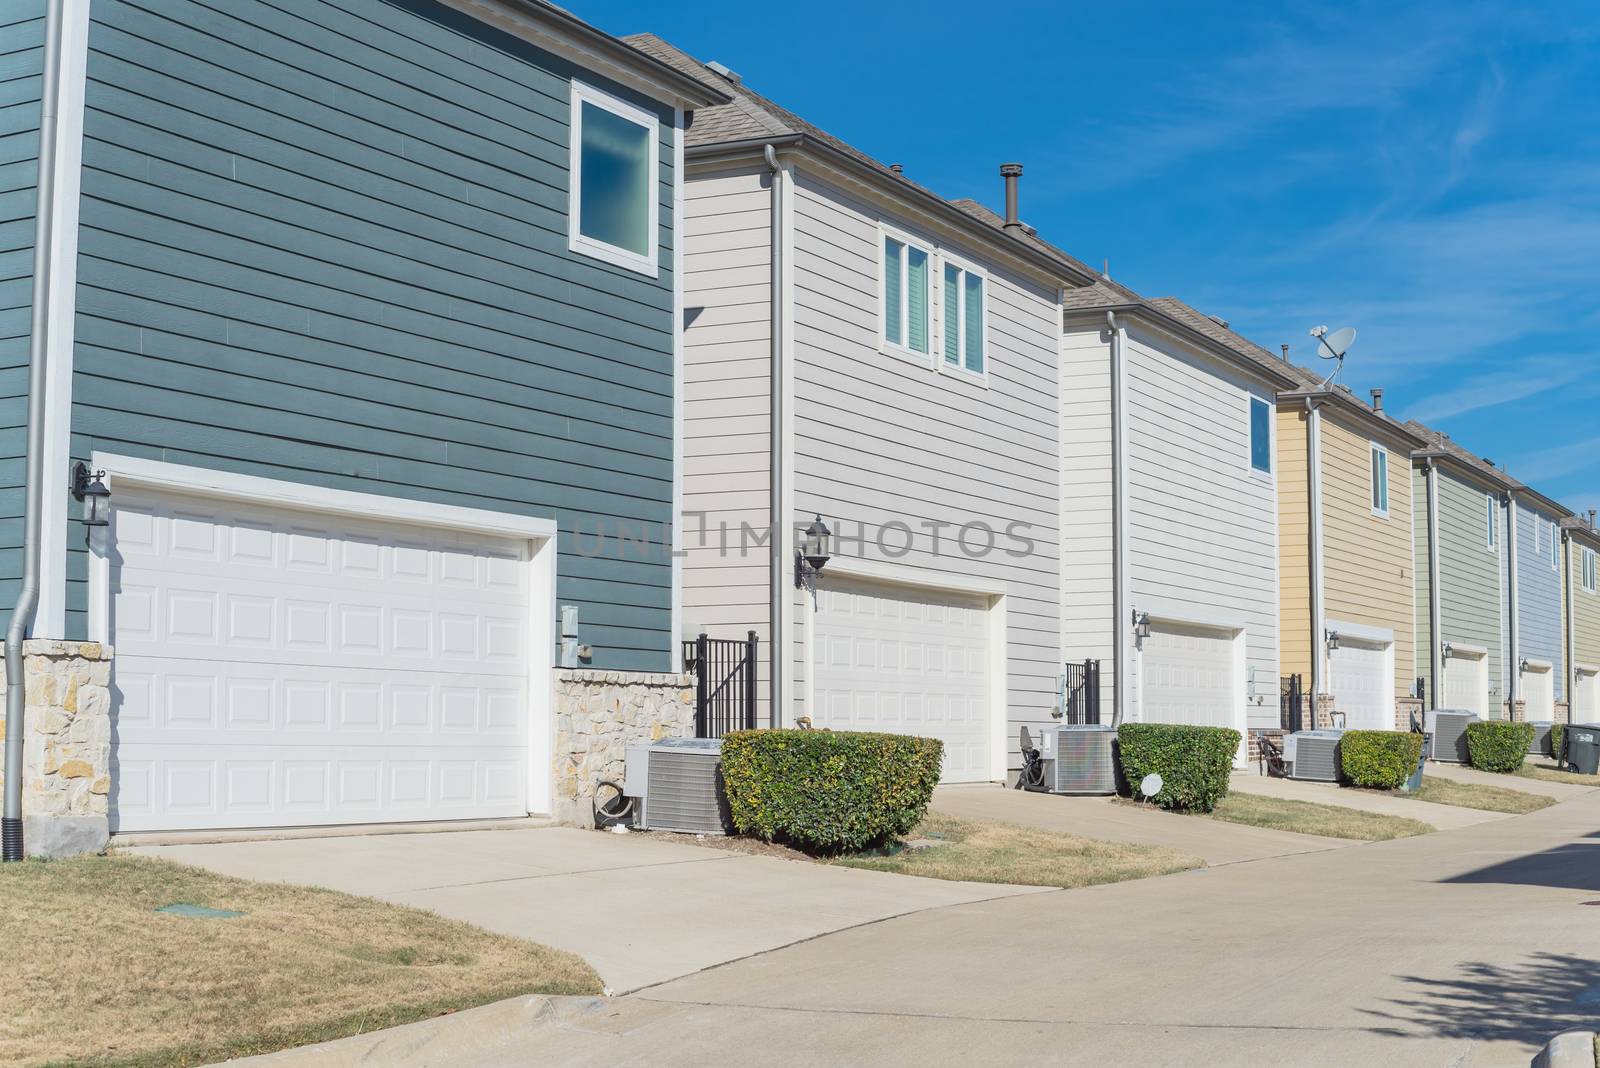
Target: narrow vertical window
(907,297)
(964,312)
(1555,547)
(1380,480)
(894,301)
(1488,503)
(1260,435)
(613,204)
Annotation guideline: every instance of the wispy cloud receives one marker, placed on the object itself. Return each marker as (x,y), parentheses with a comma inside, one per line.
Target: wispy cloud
(1530,377)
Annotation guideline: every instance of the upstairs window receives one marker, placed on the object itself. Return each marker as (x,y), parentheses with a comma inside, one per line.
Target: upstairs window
(907,310)
(1555,547)
(1588,570)
(1260,435)
(1380,480)
(963,319)
(1488,507)
(612,202)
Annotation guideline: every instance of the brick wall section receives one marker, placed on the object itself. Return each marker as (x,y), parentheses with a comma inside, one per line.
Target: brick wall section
(598,715)
(66,755)
(1403,710)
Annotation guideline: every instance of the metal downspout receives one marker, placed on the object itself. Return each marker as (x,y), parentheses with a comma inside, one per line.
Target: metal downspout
(1121,619)
(11,844)
(1435,614)
(1314,538)
(778,593)
(1513,637)
(1571,680)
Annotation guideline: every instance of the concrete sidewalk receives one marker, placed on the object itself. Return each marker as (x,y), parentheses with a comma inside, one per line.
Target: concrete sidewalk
(1213,841)
(641,908)
(1440,817)
(1462,773)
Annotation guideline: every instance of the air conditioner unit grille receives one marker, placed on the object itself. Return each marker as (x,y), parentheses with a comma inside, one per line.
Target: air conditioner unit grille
(683,790)
(1540,746)
(1449,732)
(1083,761)
(1313,755)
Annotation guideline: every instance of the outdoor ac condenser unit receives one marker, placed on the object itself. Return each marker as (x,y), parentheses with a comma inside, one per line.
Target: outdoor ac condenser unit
(1313,755)
(677,785)
(1446,729)
(1079,759)
(1540,746)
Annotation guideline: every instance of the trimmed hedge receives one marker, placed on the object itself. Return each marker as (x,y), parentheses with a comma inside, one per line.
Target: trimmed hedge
(1558,736)
(828,791)
(1498,744)
(1379,760)
(1193,762)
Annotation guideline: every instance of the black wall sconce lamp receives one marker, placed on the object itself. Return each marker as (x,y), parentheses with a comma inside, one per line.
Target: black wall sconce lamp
(812,557)
(89,490)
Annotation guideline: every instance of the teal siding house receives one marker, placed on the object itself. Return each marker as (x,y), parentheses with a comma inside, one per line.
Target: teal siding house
(347,370)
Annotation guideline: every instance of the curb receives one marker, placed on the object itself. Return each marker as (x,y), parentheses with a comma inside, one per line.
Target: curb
(1569,1049)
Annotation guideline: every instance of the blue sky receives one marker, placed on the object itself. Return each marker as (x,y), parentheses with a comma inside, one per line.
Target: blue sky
(1426,173)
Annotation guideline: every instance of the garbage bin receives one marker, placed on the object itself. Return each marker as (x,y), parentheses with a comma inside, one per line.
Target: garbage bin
(1583,748)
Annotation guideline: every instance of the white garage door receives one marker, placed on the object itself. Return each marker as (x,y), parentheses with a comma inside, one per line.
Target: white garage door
(286,668)
(906,661)
(1186,675)
(1585,695)
(1362,684)
(1539,693)
(1466,682)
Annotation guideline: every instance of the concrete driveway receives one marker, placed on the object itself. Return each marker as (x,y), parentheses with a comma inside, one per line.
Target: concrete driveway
(642,909)
(1467,947)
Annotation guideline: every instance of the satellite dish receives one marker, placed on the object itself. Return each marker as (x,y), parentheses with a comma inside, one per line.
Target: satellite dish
(1150,785)
(1333,347)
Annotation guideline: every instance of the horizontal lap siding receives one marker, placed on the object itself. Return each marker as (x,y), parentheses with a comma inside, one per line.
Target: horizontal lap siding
(726,406)
(1202,537)
(1086,505)
(1539,593)
(21,81)
(1367,560)
(879,439)
(326,242)
(1294,546)
(1470,603)
(1585,612)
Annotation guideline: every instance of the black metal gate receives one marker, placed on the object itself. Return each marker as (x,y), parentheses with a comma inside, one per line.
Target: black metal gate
(1291,703)
(725,684)
(1080,692)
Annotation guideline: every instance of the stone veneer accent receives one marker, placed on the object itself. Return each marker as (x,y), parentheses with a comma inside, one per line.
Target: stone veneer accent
(598,715)
(66,753)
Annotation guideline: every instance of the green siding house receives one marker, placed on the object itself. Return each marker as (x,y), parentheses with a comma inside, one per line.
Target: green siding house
(364,314)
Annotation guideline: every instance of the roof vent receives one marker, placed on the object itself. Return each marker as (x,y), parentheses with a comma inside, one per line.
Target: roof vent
(1377,400)
(897,168)
(1219,320)
(722,71)
(1591,517)
(1285,349)
(1011,172)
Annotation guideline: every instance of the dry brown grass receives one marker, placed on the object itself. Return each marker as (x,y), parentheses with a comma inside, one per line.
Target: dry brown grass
(94,976)
(988,851)
(1442,791)
(1309,817)
(1552,773)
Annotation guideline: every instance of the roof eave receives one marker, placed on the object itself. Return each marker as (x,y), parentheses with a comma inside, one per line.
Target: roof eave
(1471,470)
(1351,406)
(1188,333)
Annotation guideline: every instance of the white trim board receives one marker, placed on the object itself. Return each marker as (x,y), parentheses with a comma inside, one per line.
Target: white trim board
(679,183)
(123,472)
(906,575)
(1361,632)
(648,263)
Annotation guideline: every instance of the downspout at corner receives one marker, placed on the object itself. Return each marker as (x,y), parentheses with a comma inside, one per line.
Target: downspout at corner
(778,593)
(1513,667)
(11,843)
(1121,617)
(1571,680)
(1314,548)
(1435,613)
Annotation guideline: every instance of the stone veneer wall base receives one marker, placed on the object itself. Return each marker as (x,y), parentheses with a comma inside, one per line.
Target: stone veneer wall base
(66,751)
(599,714)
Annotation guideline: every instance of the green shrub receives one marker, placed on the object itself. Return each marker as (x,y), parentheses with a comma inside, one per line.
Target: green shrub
(828,791)
(1379,760)
(1193,762)
(1558,735)
(1498,744)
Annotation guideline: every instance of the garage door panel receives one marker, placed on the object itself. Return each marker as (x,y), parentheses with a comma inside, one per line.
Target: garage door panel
(1466,683)
(1186,676)
(905,660)
(284,668)
(1361,683)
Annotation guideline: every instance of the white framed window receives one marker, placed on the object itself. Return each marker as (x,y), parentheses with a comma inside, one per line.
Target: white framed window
(965,318)
(1488,508)
(1380,480)
(1587,562)
(1260,436)
(613,203)
(906,307)
(1555,547)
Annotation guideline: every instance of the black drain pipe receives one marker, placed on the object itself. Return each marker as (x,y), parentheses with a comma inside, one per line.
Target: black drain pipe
(11,844)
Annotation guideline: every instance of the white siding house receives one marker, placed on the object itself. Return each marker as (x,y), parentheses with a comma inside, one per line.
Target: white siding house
(1169,493)
(911,345)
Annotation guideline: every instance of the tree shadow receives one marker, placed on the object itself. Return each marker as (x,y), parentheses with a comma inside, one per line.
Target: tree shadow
(1570,866)
(1526,1002)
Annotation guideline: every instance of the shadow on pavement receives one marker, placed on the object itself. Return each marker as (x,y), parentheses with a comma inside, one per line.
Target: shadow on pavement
(1527,1002)
(1573,866)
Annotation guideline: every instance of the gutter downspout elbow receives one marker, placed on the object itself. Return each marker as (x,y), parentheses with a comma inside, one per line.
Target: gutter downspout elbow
(11,843)
(777,594)
(1121,620)
(1314,549)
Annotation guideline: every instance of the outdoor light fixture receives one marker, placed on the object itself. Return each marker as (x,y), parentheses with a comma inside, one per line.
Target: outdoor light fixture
(1141,626)
(812,557)
(1333,640)
(1445,650)
(89,489)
